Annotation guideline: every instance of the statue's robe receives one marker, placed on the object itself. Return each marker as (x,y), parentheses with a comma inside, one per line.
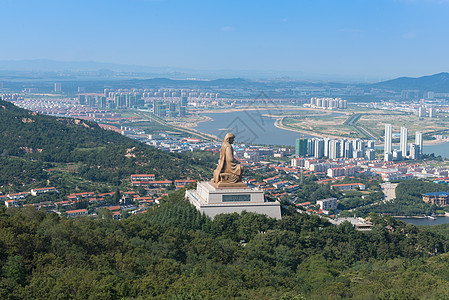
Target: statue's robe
(227,164)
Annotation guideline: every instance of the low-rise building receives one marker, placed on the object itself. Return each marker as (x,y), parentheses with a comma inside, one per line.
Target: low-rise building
(183,182)
(349,186)
(11,203)
(17,196)
(76,212)
(35,192)
(143,177)
(326,204)
(436,198)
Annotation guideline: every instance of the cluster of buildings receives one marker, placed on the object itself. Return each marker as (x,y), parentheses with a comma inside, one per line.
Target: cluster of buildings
(423,112)
(388,170)
(130,200)
(416,149)
(68,108)
(11,97)
(328,103)
(335,148)
(164,102)
(149,180)
(88,203)
(12,199)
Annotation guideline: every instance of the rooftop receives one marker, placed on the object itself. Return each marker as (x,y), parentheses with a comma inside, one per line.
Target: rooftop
(437,194)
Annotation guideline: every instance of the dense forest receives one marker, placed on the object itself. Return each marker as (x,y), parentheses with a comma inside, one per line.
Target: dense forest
(28,140)
(174,252)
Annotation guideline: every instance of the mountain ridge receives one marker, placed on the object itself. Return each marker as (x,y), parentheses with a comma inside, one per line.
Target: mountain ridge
(437,83)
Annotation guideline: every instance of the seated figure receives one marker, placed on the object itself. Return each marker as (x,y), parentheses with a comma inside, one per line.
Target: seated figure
(229,170)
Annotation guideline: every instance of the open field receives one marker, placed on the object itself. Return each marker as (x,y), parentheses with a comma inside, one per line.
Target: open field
(363,123)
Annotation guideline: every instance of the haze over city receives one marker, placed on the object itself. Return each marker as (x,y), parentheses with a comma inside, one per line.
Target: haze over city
(338,40)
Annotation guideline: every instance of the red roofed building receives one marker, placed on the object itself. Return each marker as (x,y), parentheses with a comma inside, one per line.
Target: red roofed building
(162,183)
(11,203)
(77,196)
(116,215)
(113,208)
(183,182)
(63,203)
(143,177)
(348,186)
(76,212)
(106,194)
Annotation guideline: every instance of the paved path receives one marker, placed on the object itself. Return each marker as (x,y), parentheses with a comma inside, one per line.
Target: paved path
(389,190)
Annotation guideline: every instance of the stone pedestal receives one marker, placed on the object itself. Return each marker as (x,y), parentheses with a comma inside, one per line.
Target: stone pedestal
(213,200)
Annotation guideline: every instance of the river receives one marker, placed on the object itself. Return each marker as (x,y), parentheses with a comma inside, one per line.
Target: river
(252,127)
(249,127)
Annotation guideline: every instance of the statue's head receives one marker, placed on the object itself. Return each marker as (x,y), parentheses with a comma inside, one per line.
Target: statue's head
(229,138)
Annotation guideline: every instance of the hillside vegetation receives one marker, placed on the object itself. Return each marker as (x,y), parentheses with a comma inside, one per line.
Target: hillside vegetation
(173,252)
(30,142)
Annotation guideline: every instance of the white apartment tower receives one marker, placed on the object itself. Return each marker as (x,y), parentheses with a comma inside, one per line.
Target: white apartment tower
(388,138)
(403,141)
(421,112)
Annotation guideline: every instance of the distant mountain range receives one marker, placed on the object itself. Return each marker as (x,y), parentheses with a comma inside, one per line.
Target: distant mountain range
(105,70)
(437,83)
(85,73)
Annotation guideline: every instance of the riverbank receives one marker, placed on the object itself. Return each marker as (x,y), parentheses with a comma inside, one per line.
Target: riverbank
(278,123)
(252,108)
(412,217)
(435,142)
(262,128)
(195,124)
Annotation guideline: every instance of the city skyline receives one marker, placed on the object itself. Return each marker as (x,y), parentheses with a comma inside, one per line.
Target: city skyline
(372,41)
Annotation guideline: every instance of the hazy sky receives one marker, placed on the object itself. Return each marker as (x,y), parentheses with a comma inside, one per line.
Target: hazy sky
(348,37)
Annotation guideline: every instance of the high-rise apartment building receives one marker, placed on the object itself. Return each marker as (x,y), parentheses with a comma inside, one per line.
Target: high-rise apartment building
(403,141)
(370,154)
(421,112)
(397,154)
(414,151)
(319,148)
(326,147)
(58,87)
(388,138)
(419,142)
(301,147)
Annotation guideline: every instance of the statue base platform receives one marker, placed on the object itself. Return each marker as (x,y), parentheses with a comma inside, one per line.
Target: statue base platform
(222,184)
(213,200)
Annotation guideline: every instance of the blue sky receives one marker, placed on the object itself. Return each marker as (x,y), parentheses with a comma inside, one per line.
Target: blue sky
(354,38)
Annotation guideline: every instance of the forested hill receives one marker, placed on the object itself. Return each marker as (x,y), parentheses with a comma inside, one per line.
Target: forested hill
(174,252)
(28,139)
